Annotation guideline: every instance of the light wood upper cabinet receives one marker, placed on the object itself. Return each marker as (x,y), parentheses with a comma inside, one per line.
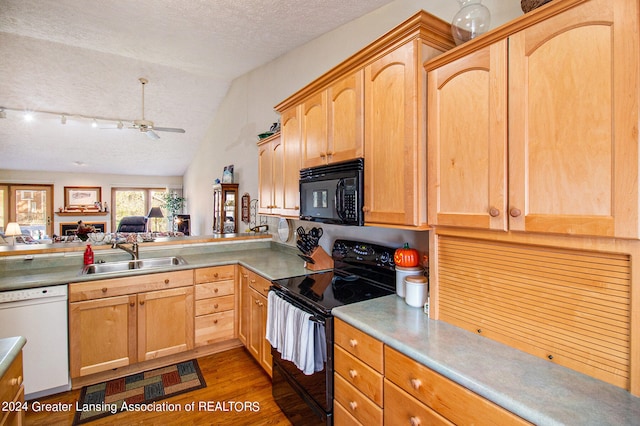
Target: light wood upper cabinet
(571,155)
(314,130)
(467,133)
(333,123)
(395,137)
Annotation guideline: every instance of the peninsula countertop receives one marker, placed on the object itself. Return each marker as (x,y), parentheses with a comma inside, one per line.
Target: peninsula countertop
(10,347)
(535,389)
(271,260)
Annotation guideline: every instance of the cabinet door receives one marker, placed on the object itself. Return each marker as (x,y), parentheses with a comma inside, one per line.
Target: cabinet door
(314,130)
(265,351)
(255,330)
(165,322)
(243,296)
(291,164)
(467,127)
(392,150)
(102,334)
(573,117)
(265,178)
(345,116)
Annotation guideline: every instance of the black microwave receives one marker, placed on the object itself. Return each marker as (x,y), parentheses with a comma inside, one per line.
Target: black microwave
(333,193)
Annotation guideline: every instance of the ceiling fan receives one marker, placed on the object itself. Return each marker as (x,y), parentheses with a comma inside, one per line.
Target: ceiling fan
(146,126)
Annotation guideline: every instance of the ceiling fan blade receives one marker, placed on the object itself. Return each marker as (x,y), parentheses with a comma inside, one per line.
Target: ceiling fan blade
(168,129)
(152,135)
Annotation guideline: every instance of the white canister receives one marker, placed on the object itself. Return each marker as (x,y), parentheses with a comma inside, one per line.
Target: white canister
(416,290)
(401,273)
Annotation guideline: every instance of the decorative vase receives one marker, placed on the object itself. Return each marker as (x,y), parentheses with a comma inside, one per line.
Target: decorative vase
(472,19)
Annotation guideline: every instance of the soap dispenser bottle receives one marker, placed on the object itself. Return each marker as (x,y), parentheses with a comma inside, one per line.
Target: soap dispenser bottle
(88,255)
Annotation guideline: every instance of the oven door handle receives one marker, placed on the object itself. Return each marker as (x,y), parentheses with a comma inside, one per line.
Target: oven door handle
(315,317)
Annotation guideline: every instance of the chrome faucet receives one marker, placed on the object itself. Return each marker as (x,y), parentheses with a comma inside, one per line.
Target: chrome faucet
(133,251)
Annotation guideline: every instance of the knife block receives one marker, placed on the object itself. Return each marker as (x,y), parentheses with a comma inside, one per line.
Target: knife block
(321,260)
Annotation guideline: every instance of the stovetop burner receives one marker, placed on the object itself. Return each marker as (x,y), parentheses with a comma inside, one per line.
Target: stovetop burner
(362,271)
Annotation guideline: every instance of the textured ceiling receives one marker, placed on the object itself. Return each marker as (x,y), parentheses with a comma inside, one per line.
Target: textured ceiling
(84,57)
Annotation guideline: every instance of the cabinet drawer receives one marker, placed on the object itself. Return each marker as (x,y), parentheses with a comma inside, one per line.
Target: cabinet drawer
(11,380)
(215,273)
(129,285)
(259,284)
(214,289)
(214,304)
(356,403)
(214,328)
(341,416)
(366,379)
(402,408)
(359,344)
(448,398)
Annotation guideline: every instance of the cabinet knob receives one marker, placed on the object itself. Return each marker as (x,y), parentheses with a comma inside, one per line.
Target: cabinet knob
(260,304)
(353,343)
(166,281)
(414,421)
(215,321)
(353,373)
(493,212)
(215,275)
(132,304)
(215,290)
(104,289)
(215,306)
(365,209)
(16,381)
(323,154)
(416,383)
(141,302)
(515,212)
(353,405)
(265,289)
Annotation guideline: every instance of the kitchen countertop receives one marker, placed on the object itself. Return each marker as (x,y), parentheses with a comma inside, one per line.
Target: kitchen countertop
(10,347)
(271,260)
(533,388)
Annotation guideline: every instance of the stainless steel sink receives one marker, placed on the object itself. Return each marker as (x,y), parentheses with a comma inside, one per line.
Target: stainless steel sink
(155,262)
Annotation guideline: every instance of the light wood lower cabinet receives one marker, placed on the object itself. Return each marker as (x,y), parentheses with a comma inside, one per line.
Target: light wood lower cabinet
(12,392)
(121,321)
(253,323)
(375,384)
(215,304)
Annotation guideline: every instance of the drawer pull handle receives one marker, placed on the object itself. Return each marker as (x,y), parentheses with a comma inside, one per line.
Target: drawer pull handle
(353,405)
(266,289)
(16,381)
(353,343)
(104,289)
(215,275)
(416,383)
(415,421)
(215,290)
(215,321)
(215,306)
(353,373)
(166,281)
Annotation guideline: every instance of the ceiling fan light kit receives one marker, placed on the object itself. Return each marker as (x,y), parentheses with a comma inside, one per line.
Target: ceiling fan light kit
(144,126)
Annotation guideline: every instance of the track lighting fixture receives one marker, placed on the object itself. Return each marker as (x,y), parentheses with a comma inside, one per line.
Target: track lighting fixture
(3,113)
(63,119)
(28,116)
(120,125)
(94,124)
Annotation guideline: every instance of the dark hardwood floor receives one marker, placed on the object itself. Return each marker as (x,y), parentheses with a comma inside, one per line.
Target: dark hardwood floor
(231,376)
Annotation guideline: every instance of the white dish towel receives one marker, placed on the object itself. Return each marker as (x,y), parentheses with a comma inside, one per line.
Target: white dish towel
(293,334)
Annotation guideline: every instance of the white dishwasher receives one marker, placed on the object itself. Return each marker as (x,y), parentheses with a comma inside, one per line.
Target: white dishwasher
(39,315)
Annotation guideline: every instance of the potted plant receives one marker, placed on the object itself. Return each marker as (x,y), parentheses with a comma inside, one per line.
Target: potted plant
(173,204)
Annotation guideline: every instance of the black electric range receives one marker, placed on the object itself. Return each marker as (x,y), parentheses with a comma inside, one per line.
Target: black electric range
(362,271)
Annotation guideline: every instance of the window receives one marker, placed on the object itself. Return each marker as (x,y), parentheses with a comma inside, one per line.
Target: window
(29,205)
(137,202)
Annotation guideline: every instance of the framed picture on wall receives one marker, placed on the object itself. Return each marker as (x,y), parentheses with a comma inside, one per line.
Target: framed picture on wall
(81,197)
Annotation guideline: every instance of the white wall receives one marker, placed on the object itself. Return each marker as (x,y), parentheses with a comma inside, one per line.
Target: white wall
(104,181)
(247,109)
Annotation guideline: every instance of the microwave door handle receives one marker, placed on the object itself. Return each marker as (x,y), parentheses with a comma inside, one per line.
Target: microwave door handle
(340,199)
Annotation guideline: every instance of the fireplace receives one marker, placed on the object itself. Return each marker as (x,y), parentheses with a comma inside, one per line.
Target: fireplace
(69,228)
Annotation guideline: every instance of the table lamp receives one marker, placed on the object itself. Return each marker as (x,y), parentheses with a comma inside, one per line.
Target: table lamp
(13,230)
(155,213)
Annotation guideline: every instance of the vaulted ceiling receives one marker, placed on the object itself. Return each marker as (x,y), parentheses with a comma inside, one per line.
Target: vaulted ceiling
(83,58)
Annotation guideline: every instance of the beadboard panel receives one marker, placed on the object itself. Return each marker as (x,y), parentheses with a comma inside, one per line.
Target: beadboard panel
(571,307)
